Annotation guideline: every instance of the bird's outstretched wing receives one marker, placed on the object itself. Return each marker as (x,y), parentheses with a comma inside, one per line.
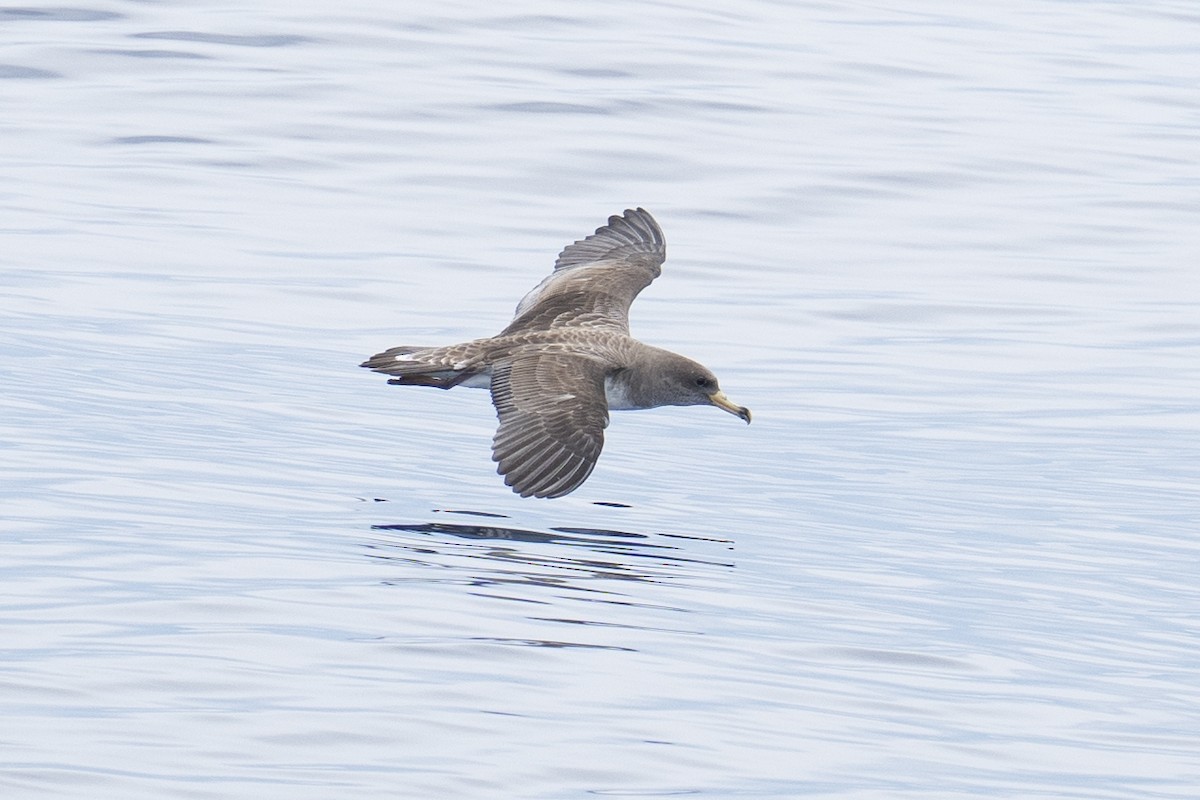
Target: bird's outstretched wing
(597,278)
(553,413)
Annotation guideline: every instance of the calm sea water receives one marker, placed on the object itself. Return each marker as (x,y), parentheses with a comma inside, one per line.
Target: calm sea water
(947,254)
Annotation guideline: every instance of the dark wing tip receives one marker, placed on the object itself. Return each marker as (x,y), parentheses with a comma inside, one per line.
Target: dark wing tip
(635,235)
(536,465)
(559,477)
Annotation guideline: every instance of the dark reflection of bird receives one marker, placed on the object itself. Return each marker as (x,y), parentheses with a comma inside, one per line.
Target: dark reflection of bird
(566,359)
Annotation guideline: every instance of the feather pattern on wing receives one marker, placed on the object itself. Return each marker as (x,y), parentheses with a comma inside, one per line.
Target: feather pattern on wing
(596,279)
(552,412)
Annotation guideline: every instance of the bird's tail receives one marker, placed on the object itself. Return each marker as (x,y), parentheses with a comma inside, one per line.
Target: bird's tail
(419,366)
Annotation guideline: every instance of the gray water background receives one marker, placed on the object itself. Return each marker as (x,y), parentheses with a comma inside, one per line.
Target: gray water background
(946,252)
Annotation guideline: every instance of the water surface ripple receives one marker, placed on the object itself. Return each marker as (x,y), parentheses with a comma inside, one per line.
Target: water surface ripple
(946,253)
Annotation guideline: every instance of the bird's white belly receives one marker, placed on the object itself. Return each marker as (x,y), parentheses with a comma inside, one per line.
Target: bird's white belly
(617,394)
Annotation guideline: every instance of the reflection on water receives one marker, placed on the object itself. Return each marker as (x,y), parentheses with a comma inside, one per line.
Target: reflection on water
(575,557)
(551,643)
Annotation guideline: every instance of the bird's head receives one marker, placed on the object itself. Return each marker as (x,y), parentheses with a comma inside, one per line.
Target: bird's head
(694,384)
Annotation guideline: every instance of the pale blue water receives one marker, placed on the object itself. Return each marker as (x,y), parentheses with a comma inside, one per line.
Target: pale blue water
(947,254)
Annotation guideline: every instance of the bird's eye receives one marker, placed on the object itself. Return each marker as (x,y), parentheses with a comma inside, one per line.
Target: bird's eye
(702,381)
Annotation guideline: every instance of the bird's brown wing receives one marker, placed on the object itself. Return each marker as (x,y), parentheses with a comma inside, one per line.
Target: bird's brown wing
(597,278)
(553,413)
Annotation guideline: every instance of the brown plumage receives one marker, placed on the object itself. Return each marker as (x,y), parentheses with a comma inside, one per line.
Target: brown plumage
(566,359)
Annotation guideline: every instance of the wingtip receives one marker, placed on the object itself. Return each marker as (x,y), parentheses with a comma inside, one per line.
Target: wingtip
(635,231)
